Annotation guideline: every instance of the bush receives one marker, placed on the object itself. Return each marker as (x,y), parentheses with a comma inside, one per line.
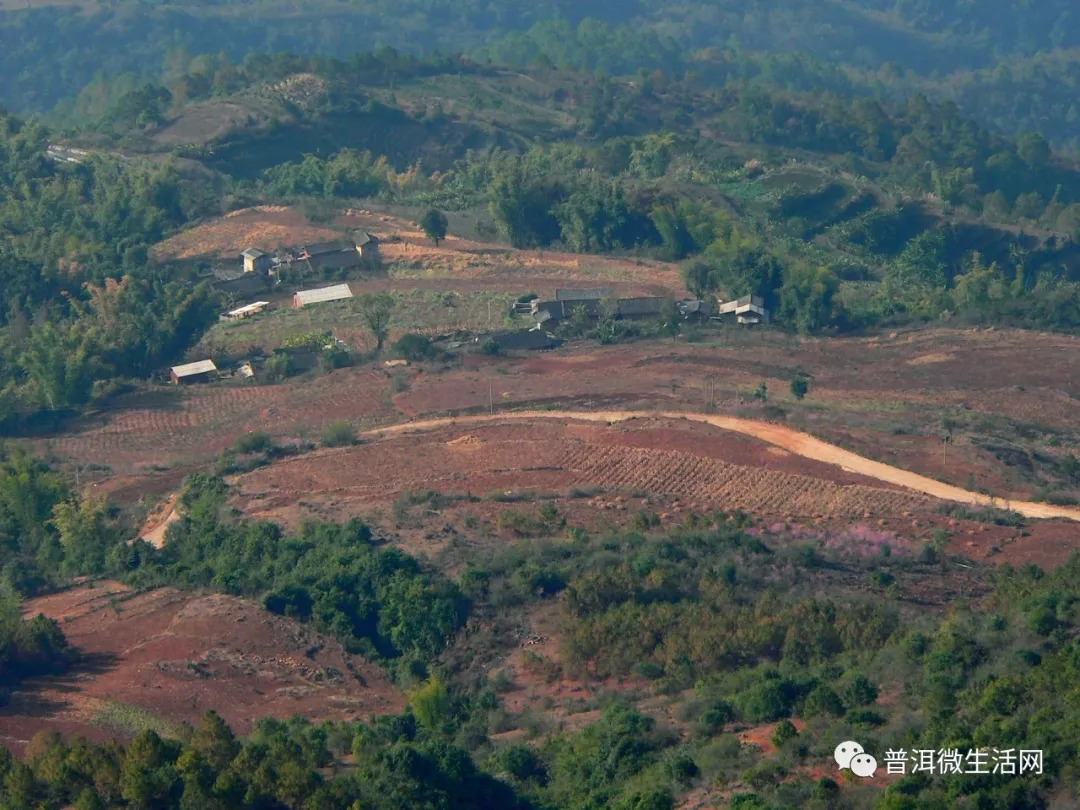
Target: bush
(278,367)
(714,717)
(414,347)
(254,442)
(491,347)
(680,768)
(339,434)
(823,700)
(860,691)
(785,730)
(765,701)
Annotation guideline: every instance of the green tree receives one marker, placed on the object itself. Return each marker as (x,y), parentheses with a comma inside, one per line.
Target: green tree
(430,703)
(806,298)
(783,732)
(434,225)
(375,310)
(800,387)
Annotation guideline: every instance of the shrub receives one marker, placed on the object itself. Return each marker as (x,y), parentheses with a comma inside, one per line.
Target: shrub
(680,768)
(414,347)
(491,347)
(822,700)
(278,367)
(765,701)
(860,691)
(339,434)
(785,730)
(254,442)
(714,717)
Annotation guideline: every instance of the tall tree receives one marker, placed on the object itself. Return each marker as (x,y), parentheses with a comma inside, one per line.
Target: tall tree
(375,311)
(434,224)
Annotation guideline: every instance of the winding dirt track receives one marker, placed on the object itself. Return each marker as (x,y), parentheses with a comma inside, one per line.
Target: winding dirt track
(791,440)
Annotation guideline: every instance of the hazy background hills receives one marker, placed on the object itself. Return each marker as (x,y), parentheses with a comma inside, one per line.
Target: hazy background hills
(1009,64)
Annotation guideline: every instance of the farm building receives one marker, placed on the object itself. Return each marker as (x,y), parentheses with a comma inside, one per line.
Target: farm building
(368,246)
(545,312)
(594,294)
(321,295)
(255,261)
(640,307)
(340,254)
(523,340)
(200,371)
(694,310)
(551,312)
(750,309)
(246,311)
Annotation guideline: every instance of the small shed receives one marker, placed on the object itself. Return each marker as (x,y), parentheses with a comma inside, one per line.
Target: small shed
(199,371)
(367,245)
(321,295)
(255,261)
(246,311)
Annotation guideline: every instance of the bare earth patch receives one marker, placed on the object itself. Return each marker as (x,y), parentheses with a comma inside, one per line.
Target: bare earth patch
(173,655)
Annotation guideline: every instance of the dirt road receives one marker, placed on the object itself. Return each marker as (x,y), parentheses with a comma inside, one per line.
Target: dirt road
(791,440)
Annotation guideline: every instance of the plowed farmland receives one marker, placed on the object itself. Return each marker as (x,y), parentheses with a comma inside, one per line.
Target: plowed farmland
(174,426)
(719,471)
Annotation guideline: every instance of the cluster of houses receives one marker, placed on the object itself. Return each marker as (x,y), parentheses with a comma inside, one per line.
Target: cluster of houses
(600,301)
(336,254)
(260,270)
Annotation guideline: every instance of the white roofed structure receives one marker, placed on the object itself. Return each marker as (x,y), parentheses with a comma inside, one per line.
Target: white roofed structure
(193,372)
(338,292)
(249,309)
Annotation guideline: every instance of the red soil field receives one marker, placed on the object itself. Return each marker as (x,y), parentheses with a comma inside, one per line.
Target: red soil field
(695,463)
(177,655)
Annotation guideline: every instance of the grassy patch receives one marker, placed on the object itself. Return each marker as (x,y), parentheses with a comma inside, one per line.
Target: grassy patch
(131,719)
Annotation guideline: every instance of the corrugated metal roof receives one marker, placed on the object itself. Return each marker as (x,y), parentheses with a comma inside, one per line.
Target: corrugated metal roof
(640,306)
(338,292)
(593,294)
(248,308)
(253,253)
(336,261)
(334,245)
(198,367)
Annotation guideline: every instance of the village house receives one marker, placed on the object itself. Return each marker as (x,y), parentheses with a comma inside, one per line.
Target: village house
(200,371)
(255,261)
(748,310)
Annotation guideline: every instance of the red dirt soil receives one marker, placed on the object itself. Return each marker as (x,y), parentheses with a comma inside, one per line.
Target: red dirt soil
(692,462)
(178,655)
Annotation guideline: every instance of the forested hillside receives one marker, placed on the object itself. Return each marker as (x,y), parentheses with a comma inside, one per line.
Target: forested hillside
(878,47)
